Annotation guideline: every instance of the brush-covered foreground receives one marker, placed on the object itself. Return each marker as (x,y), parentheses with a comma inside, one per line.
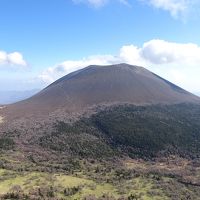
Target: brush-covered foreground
(120,152)
(171,178)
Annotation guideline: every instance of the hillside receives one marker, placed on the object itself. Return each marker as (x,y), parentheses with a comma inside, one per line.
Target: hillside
(95,85)
(120,128)
(105,111)
(139,152)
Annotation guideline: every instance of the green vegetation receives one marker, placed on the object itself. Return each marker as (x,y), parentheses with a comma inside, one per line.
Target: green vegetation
(141,180)
(6,143)
(149,130)
(121,152)
(40,185)
(139,131)
(78,140)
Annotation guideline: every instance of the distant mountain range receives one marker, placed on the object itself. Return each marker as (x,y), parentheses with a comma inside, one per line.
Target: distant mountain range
(8,97)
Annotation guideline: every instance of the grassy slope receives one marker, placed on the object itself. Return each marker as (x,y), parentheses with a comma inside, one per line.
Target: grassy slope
(30,180)
(167,179)
(143,179)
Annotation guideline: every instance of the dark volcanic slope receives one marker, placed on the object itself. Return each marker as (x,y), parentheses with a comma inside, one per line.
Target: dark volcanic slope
(94,85)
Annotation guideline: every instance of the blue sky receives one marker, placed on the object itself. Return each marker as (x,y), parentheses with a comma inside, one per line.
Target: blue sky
(42,40)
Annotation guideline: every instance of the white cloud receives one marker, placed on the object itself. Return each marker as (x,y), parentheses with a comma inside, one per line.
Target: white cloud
(125,2)
(15,58)
(100,3)
(131,54)
(177,8)
(163,52)
(3,57)
(95,3)
(176,62)
(66,67)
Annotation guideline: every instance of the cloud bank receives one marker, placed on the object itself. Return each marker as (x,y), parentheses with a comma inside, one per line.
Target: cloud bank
(176,62)
(10,59)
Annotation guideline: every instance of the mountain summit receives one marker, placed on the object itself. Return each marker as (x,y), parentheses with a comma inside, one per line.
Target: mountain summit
(96,85)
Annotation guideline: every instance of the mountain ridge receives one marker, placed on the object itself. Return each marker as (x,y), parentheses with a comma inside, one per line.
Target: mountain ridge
(96,85)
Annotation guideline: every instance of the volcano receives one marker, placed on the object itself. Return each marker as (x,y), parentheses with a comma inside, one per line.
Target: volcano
(113,106)
(97,85)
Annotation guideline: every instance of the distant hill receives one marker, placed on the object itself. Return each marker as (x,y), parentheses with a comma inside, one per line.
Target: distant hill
(8,97)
